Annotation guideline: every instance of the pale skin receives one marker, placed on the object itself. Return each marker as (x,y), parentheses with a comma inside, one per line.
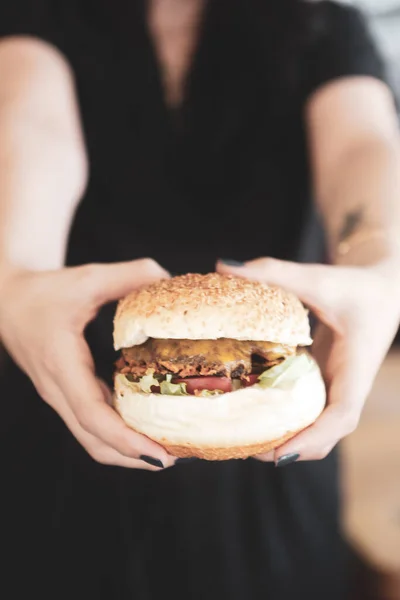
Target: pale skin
(44,307)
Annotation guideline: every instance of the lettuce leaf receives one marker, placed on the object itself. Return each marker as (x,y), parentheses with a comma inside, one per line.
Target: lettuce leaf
(287,371)
(172,389)
(134,385)
(147,381)
(207,393)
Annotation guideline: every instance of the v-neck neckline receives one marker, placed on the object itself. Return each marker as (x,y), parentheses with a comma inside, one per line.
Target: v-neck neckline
(175,112)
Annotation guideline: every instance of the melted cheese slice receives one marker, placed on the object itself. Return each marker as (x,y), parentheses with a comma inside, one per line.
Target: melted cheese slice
(223,351)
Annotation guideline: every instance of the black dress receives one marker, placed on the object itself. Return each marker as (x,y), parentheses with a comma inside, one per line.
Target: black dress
(226,175)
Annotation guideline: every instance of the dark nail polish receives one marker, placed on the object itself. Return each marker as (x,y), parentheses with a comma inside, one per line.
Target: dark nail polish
(183,461)
(287,459)
(229,262)
(154,462)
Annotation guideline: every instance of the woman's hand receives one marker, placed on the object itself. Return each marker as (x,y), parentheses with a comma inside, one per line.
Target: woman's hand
(359,311)
(42,320)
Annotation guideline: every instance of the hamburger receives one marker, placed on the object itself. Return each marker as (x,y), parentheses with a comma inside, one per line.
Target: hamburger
(215,366)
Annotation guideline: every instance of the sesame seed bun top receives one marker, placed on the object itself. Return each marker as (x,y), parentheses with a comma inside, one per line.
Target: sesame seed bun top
(212,306)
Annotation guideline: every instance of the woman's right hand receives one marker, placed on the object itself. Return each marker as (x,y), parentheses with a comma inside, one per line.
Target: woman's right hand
(43,316)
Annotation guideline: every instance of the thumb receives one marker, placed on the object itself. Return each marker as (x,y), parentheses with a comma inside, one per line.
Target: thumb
(316,285)
(109,282)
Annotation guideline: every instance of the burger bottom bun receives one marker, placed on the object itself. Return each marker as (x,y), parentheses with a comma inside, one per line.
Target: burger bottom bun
(209,453)
(237,424)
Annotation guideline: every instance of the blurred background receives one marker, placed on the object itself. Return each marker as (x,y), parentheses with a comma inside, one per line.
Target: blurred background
(384,17)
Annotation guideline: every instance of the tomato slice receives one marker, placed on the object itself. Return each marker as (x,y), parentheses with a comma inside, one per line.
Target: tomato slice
(205,383)
(252,379)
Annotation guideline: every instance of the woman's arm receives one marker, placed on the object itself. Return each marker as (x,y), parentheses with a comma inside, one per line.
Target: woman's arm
(44,309)
(43,167)
(355,153)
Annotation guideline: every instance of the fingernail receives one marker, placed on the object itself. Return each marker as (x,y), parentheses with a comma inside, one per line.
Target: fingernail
(287,459)
(229,262)
(183,461)
(154,462)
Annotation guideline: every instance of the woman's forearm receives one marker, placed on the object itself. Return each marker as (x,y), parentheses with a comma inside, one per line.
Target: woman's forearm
(354,142)
(361,206)
(42,156)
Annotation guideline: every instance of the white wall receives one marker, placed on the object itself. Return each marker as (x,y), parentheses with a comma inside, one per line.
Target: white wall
(384,17)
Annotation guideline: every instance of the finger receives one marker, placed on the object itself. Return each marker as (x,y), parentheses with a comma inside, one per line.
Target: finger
(266,457)
(315,442)
(106,455)
(99,451)
(83,394)
(112,455)
(109,457)
(107,394)
(316,285)
(321,349)
(106,283)
(349,388)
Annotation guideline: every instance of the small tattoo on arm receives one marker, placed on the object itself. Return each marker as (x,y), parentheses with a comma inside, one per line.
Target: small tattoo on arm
(351,223)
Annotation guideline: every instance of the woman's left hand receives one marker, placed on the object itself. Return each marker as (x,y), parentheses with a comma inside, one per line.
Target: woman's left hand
(359,313)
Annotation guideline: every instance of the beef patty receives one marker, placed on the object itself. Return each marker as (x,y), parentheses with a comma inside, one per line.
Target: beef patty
(189,358)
